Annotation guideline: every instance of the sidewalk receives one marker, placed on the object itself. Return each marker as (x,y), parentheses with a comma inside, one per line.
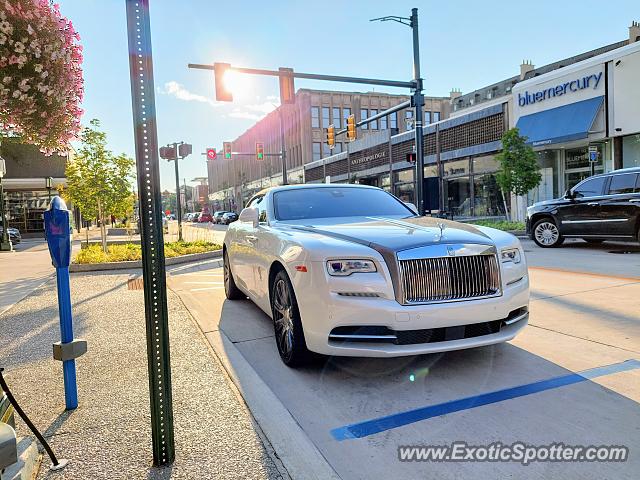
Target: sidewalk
(108,436)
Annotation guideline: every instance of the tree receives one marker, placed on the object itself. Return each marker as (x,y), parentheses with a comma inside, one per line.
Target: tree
(41,81)
(519,170)
(99,183)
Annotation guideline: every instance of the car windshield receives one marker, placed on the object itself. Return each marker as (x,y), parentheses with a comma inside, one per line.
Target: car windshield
(305,203)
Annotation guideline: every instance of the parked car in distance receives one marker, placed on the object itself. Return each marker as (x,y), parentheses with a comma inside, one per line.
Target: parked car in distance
(229,217)
(350,270)
(205,217)
(217,216)
(601,207)
(195,217)
(14,234)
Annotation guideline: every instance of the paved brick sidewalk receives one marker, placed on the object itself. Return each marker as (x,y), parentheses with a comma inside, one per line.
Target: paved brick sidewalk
(108,436)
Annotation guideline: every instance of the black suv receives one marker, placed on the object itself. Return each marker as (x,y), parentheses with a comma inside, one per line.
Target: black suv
(602,207)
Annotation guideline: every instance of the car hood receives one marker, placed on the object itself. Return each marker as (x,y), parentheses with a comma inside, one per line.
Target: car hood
(396,234)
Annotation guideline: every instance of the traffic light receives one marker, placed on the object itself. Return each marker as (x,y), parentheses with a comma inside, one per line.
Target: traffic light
(351,127)
(227,150)
(287,89)
(223,94)
(411,157)
(331,136)
(168,153)
(185,149)
(260,151)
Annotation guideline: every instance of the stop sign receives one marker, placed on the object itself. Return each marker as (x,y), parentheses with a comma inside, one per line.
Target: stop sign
(211,153)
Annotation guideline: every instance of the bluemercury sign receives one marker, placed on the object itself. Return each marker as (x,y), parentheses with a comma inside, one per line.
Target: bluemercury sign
(581,83)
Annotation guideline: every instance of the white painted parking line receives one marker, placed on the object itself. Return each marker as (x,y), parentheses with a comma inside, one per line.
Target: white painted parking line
(205,283)
(206,288)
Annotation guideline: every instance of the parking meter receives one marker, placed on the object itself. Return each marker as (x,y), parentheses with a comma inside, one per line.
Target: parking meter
(57,227)
(57,230)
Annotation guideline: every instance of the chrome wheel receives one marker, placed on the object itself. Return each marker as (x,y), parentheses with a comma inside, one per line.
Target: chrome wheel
(546,234)
(283,317)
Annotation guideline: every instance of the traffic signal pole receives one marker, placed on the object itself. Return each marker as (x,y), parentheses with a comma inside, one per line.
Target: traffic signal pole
(283,151)
(418,102)
(178,202)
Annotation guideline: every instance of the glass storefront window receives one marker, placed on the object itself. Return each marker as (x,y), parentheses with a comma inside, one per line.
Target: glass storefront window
(404,176)
(430,171)
(458,192)
(577,165)
(456,168)
(631,151)
(486,164)
(25,210)
(487,196)
(404,191)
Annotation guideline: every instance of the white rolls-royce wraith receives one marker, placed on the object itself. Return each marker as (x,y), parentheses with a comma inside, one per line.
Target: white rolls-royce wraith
(352,270)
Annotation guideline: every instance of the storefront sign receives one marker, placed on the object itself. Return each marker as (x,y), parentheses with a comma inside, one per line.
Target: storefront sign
(588,81)
(369,158)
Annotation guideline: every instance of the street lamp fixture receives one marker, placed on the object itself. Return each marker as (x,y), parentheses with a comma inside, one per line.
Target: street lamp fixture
(48,182)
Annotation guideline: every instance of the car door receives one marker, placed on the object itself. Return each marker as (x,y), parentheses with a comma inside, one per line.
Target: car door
(243,254)
(581,214)
(264,248)
(620,208)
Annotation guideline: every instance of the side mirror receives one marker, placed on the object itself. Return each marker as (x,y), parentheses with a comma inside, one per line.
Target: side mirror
(568,195)
(249,215)
(412,207)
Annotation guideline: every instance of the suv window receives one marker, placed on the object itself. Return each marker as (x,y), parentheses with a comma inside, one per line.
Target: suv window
(589,188)
(622,184)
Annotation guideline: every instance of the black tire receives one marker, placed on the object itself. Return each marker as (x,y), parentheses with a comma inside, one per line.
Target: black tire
(593,241)
(546,234)
(231,290)
(287,325)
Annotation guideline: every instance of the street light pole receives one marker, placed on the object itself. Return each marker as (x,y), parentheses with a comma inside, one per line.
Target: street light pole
(283,151)
(48,183)
(178,203)
(418,102)
(5,243)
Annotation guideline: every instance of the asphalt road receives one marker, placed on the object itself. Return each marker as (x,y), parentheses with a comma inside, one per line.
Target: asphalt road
(580,319)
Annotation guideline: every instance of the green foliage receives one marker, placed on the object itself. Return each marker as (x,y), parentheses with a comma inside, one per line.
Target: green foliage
(132,251)
(98,182)
(519,170)
(500,225)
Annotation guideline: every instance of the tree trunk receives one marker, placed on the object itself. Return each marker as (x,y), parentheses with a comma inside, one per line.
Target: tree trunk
(506,208)
(103,230)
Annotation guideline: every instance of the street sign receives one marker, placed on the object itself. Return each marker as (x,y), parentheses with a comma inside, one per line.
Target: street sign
(211,154)
(593,153)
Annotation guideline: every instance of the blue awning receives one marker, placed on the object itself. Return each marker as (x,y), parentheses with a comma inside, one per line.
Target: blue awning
(560,124)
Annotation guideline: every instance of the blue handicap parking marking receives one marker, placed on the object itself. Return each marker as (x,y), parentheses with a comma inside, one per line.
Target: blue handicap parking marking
(381,424)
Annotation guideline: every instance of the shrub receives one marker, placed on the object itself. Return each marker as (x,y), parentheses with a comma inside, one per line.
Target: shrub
(133,251)
(500,224)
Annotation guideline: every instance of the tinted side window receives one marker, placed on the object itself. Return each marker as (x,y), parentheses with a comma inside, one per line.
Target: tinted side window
(622,184)
(590,188)
(262,210)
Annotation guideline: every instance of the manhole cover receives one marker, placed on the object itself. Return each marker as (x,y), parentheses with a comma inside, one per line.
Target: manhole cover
(135,283)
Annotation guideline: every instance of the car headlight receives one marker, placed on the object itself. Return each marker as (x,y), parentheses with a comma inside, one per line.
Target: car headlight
(510,255)
(342,268)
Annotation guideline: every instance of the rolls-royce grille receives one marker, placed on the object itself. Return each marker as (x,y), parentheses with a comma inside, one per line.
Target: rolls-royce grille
(449,278)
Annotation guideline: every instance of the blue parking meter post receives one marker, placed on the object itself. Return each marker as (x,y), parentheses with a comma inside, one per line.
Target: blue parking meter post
(58,232)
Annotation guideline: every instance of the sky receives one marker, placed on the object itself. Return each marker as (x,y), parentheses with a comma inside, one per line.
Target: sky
(464,44)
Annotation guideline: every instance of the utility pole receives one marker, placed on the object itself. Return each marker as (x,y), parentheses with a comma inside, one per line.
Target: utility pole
(283,151)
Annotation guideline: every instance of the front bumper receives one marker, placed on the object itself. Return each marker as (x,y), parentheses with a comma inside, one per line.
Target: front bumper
(324,308)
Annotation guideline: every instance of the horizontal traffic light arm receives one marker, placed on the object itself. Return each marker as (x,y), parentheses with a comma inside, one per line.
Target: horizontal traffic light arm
(253,154)
(389,111)
(313,76)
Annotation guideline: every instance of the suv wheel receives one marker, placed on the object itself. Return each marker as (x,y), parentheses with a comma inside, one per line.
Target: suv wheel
(546,234)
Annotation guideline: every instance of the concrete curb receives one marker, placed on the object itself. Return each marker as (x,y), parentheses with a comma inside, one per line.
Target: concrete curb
(28,461)
(98,267)
(298,453)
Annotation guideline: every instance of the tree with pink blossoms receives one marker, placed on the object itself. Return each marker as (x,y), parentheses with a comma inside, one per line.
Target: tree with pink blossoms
(41,83)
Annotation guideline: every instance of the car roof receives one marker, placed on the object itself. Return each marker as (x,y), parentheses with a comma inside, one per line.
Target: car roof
(626,170)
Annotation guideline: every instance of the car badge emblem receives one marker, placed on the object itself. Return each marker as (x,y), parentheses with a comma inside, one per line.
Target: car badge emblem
(451,251)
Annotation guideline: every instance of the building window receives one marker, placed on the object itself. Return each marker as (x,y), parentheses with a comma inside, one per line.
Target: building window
(325,117)
(364,113)
(383,123)
(374,124)
(336,117)
(326,151)
(427,118)
(393,119)
(436,116)
(316,151)
(315,117)
(346,113)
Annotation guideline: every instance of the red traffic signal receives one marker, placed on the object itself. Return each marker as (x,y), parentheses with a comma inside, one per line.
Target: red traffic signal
(411,157)
(211,154)
(185,149)
(223,94)
(227,150)
(260,151)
